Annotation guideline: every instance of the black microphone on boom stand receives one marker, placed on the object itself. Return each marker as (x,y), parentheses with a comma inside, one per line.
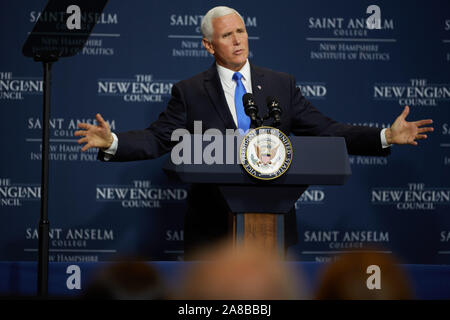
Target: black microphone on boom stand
(274,110)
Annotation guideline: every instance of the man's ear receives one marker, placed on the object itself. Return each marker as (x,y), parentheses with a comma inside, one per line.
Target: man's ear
(208,46)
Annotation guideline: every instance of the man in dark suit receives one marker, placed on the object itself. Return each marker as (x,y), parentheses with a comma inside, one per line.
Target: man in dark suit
(215,98)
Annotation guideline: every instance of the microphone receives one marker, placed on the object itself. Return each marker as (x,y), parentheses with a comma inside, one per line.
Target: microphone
(274,110)
(251,109)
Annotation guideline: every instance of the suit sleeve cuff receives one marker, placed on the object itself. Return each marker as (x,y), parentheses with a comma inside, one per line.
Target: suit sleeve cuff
(384,143)
(111,151)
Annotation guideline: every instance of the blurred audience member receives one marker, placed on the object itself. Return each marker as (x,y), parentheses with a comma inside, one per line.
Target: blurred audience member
(126,280)
(226,272)
(348,278)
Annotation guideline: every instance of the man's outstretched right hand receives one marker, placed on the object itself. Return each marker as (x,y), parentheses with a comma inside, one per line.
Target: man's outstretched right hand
(95,136)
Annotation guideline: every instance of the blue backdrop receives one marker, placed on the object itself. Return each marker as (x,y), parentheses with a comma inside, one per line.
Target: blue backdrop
(99,211)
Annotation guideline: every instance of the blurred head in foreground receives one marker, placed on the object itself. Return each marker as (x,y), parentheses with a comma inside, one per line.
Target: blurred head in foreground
(236,273)
(126,280)
(365,275)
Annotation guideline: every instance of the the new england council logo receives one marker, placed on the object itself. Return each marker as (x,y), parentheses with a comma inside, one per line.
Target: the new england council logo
(266,153)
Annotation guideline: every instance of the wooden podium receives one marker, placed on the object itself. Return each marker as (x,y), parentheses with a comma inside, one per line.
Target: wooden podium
(259,206)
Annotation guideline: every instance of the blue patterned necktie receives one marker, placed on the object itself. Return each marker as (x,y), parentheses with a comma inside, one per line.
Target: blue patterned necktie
(242,119)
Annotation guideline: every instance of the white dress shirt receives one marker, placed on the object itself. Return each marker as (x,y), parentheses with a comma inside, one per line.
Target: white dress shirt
(229,86)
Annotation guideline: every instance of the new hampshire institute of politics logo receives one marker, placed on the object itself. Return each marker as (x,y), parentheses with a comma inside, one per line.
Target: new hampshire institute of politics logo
(266,153)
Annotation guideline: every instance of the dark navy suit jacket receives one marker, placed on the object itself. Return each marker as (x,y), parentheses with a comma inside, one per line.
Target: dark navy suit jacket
(202,98)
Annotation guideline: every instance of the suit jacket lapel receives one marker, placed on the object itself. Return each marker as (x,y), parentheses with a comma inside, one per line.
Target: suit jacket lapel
(258,88)
(214,89)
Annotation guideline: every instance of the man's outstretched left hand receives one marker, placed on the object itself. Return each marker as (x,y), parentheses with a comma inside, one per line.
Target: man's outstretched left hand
(404,132)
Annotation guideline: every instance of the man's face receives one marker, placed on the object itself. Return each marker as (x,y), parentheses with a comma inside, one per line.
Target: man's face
(229,43)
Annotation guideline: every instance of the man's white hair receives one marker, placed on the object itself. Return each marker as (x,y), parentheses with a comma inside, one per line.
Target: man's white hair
(216,12)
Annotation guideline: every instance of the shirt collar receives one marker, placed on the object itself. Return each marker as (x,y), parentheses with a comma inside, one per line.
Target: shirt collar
(226,75)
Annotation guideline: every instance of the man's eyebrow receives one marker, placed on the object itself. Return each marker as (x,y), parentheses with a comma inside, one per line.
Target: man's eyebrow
(230,32)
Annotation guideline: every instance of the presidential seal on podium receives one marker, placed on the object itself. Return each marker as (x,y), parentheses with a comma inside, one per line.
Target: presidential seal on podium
(266,153)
